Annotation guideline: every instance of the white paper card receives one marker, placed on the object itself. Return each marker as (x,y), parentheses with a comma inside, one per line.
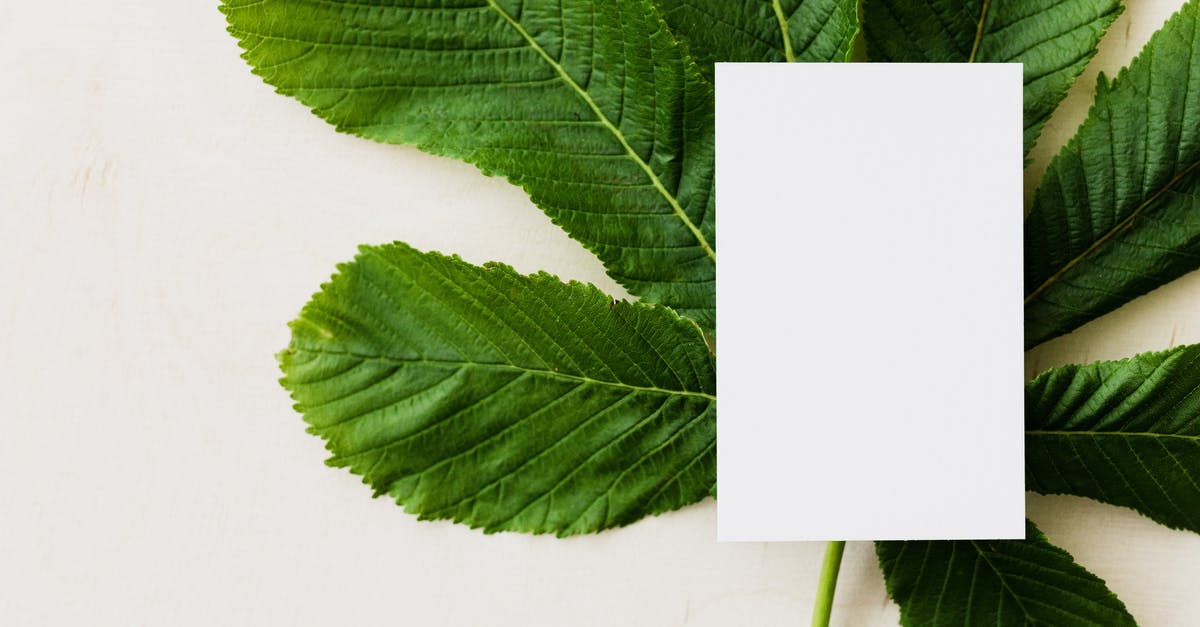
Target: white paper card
(869,345)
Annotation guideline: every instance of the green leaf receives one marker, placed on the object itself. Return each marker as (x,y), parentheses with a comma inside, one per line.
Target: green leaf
(504,401)
(763,30)
(591,106)
(995,582)
(1121,432)
(1116,214)
(1054,39)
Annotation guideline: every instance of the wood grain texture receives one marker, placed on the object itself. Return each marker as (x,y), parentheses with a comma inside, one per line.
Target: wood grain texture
(162,213)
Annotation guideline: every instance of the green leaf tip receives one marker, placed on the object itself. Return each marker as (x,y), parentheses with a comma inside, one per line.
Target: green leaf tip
(1116,214)
(504,401)
(946,583)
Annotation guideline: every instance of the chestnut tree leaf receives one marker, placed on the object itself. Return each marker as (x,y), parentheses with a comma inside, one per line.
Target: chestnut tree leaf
(504,401)
(592,106)
(763,30)
(1054,39)
(952,583)
(1118,212)
(1122,432)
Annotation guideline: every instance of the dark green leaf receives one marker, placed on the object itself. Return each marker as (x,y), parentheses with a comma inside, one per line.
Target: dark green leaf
(591,106)
(1054,39)
(763,30)
(504,401)
(1116,215)
(1122,432)
(995,582)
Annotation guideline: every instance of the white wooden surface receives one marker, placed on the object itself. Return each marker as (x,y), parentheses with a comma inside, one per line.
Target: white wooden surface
(163,213)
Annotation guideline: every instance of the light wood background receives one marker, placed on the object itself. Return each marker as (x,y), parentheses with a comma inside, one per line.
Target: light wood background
(163,214)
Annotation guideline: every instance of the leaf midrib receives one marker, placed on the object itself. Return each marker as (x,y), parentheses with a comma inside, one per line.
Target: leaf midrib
(788,53)
(1135,434)
(507,367)
(979,30)
(616,132)
(1003,582)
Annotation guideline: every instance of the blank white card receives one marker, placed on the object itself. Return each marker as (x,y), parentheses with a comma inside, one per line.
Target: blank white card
(869,290)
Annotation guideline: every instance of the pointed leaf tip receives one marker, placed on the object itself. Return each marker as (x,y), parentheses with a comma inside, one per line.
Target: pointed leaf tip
(505,401)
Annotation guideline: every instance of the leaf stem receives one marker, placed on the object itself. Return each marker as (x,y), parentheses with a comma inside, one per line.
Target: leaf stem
(823,606)
(979,31)
(783,29)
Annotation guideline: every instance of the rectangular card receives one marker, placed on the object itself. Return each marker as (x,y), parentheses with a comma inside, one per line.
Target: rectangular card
(869,299)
